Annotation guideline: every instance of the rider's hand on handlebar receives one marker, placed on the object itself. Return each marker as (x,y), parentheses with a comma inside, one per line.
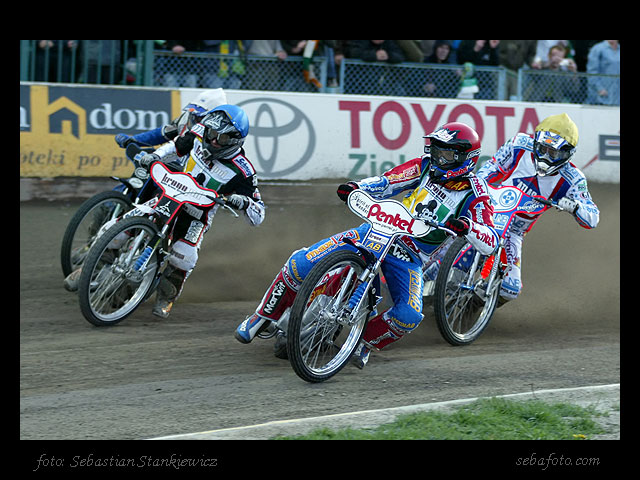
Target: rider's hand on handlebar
(239,202)
(459,225)
(147,159)
(122,139)
(568,204)
(345,189)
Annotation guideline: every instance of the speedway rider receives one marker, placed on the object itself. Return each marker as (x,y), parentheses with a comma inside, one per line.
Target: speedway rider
(442,187)
(192,113)
(540,165)
(214,156)
(217,161)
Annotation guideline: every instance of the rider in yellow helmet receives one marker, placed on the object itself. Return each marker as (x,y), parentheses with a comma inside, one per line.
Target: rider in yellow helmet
(540,165)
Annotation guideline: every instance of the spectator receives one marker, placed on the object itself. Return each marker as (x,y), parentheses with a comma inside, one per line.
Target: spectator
(384,81)
(50,53)
(442,83)
(222,73)
(604,59)
(266,75)
(515,54)
(479,52)
(581,52)
(306,49)
(482,53)
(559,88)
(543,48)
(386,51)
(181,74)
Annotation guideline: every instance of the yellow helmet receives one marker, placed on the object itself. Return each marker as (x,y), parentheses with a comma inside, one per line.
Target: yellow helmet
(554,143)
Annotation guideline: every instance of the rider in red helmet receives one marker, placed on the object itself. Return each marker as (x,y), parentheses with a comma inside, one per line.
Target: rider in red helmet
(440,186)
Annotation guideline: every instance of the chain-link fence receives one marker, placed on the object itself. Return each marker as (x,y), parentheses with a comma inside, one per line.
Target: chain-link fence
(134,62)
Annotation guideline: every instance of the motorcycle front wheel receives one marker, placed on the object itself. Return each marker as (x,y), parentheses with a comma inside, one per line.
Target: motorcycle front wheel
(85,224)
(462,305)
(322,333)
(113,284)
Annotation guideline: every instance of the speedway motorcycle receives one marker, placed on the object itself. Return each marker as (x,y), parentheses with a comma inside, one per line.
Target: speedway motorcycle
(340,294)
(123,266)
(83,228)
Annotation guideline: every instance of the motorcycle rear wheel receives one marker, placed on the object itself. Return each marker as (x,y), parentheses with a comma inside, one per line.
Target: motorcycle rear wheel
(110,287)
(462,309)
(319,340)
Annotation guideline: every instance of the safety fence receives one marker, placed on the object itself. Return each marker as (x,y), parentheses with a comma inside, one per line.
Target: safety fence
(135,62)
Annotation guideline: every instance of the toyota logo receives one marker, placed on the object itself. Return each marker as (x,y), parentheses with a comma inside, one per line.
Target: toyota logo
(283,136)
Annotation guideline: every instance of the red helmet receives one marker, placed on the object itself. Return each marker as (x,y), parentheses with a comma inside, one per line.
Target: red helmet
(454,150)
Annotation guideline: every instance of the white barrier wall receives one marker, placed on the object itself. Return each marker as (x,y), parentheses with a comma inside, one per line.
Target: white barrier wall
(68,130)
(306,136)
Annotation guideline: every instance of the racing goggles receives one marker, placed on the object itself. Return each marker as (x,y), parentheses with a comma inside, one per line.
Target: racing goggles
(223,139)
(549,154)
(445,157)
(197,110)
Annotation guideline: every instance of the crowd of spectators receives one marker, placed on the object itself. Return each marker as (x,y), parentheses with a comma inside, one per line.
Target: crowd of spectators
(586,56)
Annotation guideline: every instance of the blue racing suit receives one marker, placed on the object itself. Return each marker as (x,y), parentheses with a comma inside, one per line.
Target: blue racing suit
(402,267)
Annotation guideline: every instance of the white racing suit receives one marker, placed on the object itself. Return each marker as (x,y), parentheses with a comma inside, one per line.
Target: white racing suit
(513,165)
(234,175)
(403,266)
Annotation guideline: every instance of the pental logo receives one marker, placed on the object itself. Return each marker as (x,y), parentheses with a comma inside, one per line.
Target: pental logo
(283,136)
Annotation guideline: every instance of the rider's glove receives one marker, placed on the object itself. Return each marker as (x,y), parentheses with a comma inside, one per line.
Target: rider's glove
(459,225)
(345,189)
(568,204)
(147,159)
(239,202)
(122,139)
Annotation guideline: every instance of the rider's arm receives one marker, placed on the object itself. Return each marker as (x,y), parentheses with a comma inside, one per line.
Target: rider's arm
(247,197)
(153,137)
(501,165)
(402,177)
(586,211)
(478,211)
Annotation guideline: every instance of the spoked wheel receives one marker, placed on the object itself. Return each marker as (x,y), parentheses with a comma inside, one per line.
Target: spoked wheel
(85,224)
(462,306)
(112,284)
(322,333)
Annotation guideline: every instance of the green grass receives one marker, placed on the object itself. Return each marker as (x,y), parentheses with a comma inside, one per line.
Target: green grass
(484,419)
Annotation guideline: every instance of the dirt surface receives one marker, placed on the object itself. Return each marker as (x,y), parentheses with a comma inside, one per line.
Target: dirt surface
(148,378)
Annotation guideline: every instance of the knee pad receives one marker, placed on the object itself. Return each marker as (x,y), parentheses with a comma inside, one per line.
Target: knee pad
(183,256)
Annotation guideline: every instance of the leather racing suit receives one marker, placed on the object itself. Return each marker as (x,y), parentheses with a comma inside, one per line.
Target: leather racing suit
(403,266)
(513,165)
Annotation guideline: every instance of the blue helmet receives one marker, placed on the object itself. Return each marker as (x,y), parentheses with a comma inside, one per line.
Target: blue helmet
(226,127)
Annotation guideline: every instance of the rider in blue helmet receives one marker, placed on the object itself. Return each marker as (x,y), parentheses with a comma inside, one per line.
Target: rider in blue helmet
(212,153)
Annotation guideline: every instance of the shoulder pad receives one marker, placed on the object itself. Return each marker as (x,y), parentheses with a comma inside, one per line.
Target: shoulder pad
(522,140)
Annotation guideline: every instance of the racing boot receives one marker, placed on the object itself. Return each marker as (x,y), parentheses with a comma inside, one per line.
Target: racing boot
(71,281)
(276,300)
(169,289)
(380,332)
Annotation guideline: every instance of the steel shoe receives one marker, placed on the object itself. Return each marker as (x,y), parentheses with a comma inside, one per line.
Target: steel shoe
(71,282)
(250,328)
(361,356)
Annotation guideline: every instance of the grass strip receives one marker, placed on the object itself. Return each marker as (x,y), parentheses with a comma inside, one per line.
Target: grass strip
(484,419)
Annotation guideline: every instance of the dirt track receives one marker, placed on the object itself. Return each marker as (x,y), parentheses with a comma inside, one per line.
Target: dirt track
(148,377)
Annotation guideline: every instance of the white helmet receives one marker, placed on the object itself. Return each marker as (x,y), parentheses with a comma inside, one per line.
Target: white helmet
(206,101)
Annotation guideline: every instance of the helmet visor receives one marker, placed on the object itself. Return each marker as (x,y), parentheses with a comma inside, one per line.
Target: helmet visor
(220,128)
(551,155)
(445,158)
